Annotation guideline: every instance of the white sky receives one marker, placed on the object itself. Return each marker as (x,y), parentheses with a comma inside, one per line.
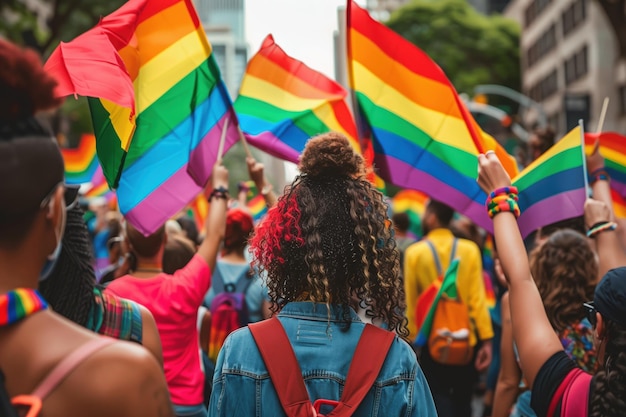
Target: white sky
(303,28)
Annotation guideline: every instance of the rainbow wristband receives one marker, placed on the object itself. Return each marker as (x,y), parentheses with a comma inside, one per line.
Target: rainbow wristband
(600,174)
(504,191)
(602,227)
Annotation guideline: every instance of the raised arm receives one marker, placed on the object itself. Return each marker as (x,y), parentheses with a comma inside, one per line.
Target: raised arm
(215,225)
(535,339)
(509,376)
(256,172)
(610,252)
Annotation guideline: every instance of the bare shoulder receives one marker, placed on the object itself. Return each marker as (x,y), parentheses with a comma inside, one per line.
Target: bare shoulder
(122,379)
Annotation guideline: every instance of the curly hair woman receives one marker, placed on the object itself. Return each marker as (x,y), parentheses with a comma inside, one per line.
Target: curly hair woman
(328,251)
(559,386)
(565,269)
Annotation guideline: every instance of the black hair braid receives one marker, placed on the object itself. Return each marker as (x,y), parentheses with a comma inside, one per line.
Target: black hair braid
(609,385)
(69,288)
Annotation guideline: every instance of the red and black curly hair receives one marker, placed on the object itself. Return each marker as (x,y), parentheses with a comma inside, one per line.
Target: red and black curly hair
(328,239)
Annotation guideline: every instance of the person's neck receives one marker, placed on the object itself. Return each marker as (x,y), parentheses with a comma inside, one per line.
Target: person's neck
(18,270)
(151,266)
(233,257)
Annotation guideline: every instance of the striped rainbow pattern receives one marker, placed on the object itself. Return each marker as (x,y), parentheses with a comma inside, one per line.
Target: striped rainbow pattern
(181,106)
(553,187)
(613,149)
(413,203)
(80,163)
(20,303)
(282,103)
(100,187)
(198,210)
(257,207)
(424,137)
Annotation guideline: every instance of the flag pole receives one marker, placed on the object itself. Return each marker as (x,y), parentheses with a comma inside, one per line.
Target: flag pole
(582,148)
(220,148)
(242,137)
(605,106)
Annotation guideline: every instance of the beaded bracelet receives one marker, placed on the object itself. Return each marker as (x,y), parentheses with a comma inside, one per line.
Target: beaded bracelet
(219,192)
(598,228)
(510,191)
(503,199)
(599,174)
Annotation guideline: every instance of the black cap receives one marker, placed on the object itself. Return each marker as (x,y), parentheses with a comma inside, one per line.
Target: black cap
(610,296)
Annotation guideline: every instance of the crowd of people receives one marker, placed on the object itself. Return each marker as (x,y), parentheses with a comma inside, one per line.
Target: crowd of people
(327,306)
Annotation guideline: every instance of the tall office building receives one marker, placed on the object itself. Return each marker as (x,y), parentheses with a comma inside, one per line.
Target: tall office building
(223,21)
(570,62)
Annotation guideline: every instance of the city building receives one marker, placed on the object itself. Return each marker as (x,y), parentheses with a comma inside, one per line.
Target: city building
(570,62)
(223,21)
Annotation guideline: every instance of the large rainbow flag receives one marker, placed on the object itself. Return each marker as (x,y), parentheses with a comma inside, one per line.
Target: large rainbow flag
(81,163)
(553,187)
(158,104)
(282,103)
(424,136)
(613,149)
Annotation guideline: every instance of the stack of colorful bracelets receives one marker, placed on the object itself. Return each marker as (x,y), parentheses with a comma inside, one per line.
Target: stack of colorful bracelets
(600,227)
(599,174)
(503,199)
(219,192)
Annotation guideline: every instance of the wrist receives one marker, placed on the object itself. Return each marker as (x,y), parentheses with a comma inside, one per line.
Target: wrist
(266,189)
(219,192)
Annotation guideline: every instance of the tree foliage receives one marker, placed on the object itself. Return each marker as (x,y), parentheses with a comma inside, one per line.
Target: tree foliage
(471,48)
(42,24)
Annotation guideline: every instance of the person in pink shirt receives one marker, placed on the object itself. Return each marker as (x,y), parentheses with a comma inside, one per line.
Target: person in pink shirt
(174,299)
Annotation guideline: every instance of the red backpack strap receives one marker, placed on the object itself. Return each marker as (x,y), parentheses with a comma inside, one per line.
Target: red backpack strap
(574,388)
(365,367)
(282,365)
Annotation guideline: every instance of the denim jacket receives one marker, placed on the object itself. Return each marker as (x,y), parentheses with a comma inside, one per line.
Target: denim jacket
(242,386)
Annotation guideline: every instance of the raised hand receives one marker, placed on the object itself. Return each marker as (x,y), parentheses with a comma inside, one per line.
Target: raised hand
(491,173)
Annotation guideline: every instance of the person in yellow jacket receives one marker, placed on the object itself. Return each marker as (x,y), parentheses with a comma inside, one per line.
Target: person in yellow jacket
(452,386)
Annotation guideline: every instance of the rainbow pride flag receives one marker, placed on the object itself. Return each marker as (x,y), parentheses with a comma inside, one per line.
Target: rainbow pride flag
(198,210)
(255,202)
(100,187)
(413,203)
(553,187)
(613,149)
(80,163)
(282,103)
(424,136)
(157,141)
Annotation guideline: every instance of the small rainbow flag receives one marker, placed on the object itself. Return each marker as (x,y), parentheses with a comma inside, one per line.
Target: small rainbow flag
(100,188)
(282,103)
(553,187)
(198,210)
(257,207)
(157,101)
(80,163)
(413,203)
(613,149)
(424,136)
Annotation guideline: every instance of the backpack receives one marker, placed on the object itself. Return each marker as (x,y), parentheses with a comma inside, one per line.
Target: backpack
(229,310)
(286,375)
(443,318)
(573,394)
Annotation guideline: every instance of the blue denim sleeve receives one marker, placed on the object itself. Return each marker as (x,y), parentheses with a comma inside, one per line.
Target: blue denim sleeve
(423,404)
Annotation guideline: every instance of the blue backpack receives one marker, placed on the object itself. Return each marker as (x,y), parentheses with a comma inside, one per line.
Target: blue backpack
(229,310)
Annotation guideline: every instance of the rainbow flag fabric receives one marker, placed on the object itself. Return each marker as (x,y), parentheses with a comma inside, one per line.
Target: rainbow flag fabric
(157,101)
(282,103)
(424,136)
(553,187)
(413,203)
(613,149)
(81,163)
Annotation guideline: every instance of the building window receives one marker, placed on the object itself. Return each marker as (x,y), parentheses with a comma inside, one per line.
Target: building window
(545,87)
(534,10)
(574,16)
(622,99)
(576,66)
(543,45)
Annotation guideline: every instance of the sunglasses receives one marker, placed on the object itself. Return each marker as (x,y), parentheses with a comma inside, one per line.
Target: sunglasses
(70,195)
(591,312)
